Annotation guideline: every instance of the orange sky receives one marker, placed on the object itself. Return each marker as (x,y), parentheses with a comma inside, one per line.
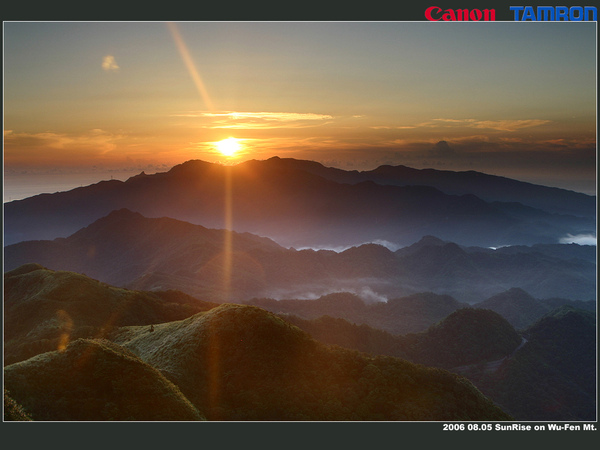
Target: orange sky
(511,99)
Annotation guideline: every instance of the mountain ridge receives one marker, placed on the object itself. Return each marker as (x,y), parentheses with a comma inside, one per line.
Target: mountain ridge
(304,207)
(499,188)
(129,250)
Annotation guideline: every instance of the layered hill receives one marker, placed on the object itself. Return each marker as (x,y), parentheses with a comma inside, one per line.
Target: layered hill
(553,376)
(240,362)
(519,307)
(550,374)
(95,380)
(231,362)
(402,315)
(129,250)
(416,313)
(466,336)
(299,206)
(44,309)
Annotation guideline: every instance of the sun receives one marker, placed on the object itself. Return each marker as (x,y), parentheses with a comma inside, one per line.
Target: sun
(229,146)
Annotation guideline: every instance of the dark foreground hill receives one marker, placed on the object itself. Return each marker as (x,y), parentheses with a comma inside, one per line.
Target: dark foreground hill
(553,376)
(549,375)
(95,380)
(129,250)
(298,207)
(238,362)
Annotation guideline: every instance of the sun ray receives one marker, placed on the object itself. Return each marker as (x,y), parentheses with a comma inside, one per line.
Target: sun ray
(189,63)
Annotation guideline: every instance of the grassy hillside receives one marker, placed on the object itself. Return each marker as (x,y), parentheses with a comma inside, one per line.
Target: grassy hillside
(45,309)
(238,362)
(95,380)
(13,410)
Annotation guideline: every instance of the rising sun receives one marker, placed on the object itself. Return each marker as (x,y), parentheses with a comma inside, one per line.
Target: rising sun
(229,146)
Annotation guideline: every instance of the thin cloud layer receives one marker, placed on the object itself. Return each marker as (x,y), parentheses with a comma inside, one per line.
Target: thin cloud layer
(45,145)
(498,125)
(262,119)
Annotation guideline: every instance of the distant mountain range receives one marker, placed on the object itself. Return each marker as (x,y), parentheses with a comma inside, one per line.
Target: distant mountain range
(416,313)
(129,250)
(305,204)
(231,362)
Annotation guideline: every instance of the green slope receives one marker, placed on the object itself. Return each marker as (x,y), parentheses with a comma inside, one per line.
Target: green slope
(44,309)
(95,380)
(238,362)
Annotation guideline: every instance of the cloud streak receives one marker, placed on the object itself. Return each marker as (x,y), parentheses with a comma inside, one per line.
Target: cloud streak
(50,145)
(498,125)
(259,120)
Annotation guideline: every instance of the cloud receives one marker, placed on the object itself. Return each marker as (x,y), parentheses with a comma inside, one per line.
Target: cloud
(581,239)
(247,120)
(49,145)
(109,64)
(498,125)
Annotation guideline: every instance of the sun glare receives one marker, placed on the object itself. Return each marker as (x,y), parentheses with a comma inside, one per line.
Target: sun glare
(229,146)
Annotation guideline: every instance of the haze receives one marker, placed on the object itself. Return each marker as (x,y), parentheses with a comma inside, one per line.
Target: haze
(510,99)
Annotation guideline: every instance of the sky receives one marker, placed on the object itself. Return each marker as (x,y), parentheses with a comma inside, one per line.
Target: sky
(516,99)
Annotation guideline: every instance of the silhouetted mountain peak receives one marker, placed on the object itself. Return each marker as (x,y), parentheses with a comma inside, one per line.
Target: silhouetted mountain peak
(342,300)
(190,167)
(424,242)
(122,214)
(514,294)
(430,241)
